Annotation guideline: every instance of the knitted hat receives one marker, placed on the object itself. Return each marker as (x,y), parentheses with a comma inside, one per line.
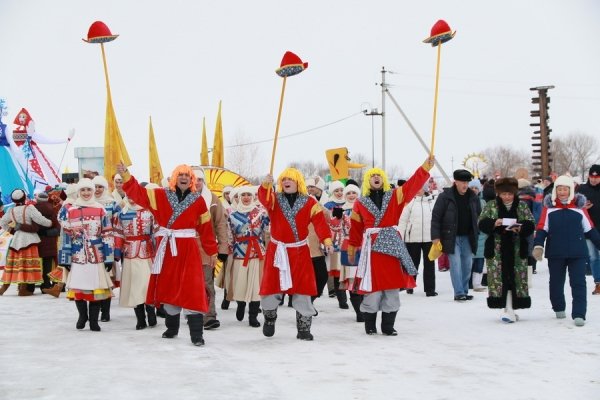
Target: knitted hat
(476,183)
(595,170)
(504,185)
(564,180)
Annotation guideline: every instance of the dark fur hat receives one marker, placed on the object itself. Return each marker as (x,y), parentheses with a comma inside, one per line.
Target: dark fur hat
(503,185)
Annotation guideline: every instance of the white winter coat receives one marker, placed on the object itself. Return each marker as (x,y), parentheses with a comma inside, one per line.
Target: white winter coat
(415,221)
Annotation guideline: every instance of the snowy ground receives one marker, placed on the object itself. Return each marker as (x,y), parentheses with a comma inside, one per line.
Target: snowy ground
(445,350)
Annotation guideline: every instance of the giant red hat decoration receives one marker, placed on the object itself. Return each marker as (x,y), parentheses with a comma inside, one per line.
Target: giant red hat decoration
(99,33)
(291,65)
(440,33)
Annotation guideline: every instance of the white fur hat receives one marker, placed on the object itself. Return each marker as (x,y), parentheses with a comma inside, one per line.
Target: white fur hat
(351,188)
(100,181)
(316,181)
(564,180)
(335,185)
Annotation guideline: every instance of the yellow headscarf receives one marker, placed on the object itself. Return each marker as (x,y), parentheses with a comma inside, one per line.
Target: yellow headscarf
(179,170)
(366,185)
(295,175)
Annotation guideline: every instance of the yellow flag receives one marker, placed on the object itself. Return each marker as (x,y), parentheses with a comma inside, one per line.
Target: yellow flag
(156,174)
(217,156)
(204,150)
(114,148)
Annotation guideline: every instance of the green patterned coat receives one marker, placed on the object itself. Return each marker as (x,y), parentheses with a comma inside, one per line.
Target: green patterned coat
(506,253)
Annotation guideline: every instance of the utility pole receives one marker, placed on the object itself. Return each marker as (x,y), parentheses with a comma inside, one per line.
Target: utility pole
(542,160)
(372,114)
(383,90)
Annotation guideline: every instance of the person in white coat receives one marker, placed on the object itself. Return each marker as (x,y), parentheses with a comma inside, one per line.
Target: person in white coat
(415,228)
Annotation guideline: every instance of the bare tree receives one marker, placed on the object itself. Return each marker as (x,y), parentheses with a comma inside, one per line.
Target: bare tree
(506,160)
(574,153)
(244,158)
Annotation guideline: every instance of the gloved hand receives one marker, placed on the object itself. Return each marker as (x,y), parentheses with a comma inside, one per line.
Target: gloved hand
(108,266)
(222,257)
(337,212)
(538,253)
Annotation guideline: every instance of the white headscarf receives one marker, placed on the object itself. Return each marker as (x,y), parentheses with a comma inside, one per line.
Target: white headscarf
(239,205)
(106,197)
(89,184)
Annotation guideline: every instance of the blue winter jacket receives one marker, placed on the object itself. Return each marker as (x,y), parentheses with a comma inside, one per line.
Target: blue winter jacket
(564,228)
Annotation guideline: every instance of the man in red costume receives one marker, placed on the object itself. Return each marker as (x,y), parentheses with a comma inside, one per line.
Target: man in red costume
(177,279)
(384,264)
(288,267)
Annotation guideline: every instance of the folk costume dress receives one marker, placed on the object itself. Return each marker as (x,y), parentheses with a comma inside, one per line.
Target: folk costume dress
(177,277)
(89,247)
(134,246)
(23,263)
(248,243)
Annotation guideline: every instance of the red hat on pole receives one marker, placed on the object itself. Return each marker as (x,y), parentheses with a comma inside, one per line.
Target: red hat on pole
(440,33)
(99,33)
(291,65)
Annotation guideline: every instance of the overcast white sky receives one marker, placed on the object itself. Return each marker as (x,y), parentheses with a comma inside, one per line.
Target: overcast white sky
(175,60)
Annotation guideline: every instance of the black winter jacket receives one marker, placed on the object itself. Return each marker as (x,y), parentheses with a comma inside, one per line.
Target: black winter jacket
(592,193)
(444,220)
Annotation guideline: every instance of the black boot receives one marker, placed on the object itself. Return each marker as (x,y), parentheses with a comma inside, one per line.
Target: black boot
(141,317)
(82,308)
(151,312)
(241,309)
(355,300)
(282,299)
(253,309)
(289,300)
(269,325)
(196,324)
(172,324)
(387,323)
(105,307)
(94,312)
(370,320)
(160,311)
(225,302)
(303,324)
(342,299)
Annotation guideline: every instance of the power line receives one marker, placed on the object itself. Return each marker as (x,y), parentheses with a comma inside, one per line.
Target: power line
(299,133)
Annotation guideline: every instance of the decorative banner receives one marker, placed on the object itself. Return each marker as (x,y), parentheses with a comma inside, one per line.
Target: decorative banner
(155,169)
(440,33)
(5,239)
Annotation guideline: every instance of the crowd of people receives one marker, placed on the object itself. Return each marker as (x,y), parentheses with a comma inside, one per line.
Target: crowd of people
(167,248)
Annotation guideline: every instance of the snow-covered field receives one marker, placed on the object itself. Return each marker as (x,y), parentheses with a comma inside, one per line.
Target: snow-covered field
(444,350)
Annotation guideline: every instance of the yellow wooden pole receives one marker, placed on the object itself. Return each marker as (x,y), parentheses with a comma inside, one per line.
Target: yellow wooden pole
(276,132)
(435,100)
